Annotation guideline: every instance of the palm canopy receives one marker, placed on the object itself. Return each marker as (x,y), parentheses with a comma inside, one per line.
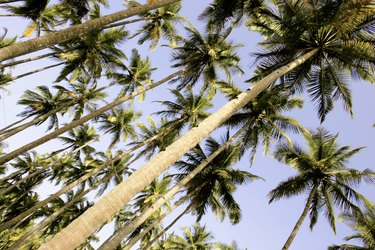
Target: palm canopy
(159,23)
(265,114)
(188,108)
(198,238)
(218,181)
(40,102)
(323,174)
(92,54)
(220,12)
(203,55)
(364,225)
(342,30)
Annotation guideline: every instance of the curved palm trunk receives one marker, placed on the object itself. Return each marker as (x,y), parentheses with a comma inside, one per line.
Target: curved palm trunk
(86,224)
(38,119)
(149,244)
(84,119)
(75,31)
(21,217)
(125,231)
(300,220)
(31,72)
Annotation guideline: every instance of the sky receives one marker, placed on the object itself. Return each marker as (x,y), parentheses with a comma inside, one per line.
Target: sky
(263,226)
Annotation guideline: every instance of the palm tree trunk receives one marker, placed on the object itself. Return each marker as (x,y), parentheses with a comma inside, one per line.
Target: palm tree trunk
(41,225)
(126,22)
(31,72)
(38,119)
(11,125)
(75,123)
(93,218)
(75,31)
(300,220)
(70,186)
(149,244)
(10,64)
(115,241)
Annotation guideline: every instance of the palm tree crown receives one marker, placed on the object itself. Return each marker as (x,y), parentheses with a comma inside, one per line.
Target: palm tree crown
(342,32)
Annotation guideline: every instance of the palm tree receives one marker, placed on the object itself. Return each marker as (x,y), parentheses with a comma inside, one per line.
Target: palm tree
(198,238)
(92,54)
(205,55)
(339,29)
(267,123)
(75,31)
(82,95)
(220,12)
(323,175)
(79,137)
(121,194)
(118,123)
(159,23)
(363,223)
(136,75)
(40,102)
(157,138)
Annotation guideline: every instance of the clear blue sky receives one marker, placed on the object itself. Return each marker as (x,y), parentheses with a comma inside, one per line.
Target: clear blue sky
(263,226)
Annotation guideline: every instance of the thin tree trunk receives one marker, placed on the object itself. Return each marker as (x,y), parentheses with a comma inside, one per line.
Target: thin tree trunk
(300,220)
(115,241)
(93,218)
(14,174)
(82,120)
(75,31)
(31,72)
(70,186)
(126,22)
(10,64)
(13,124)
(38,119)
(149,244)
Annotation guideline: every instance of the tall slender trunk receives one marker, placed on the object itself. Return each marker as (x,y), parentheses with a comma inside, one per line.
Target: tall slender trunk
(115,241)
(149,244)
(40,118)
(82,120)
(86,224)
(70,186)
(126,22)
(31,72)
(300,220)
(34,58)
(75,31)
(12,125)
